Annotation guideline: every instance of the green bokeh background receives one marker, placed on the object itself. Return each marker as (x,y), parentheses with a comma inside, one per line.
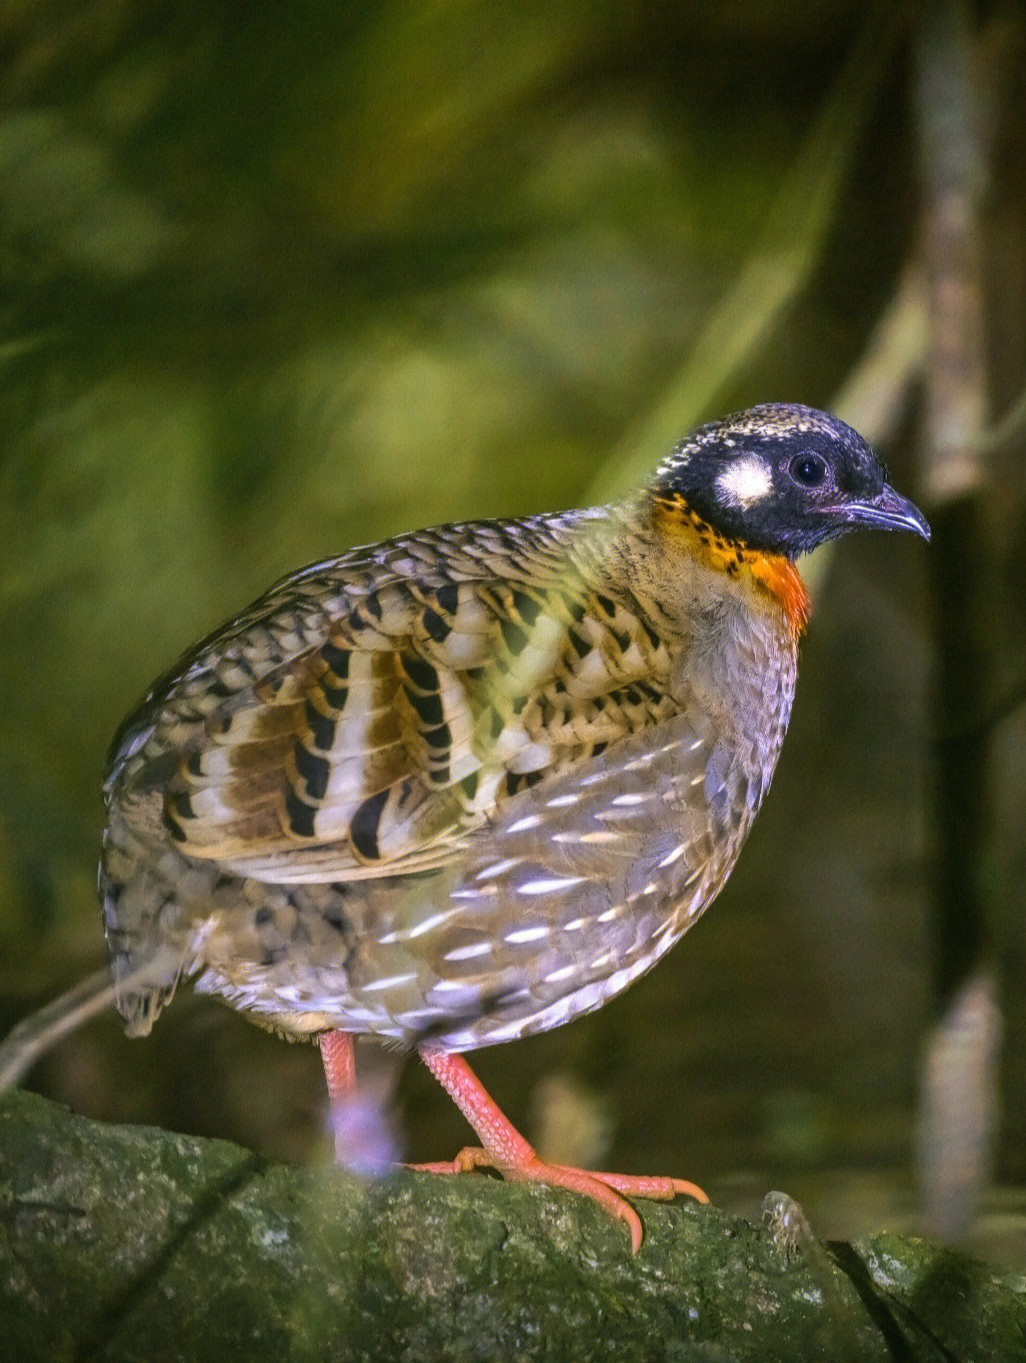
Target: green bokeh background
(278,279)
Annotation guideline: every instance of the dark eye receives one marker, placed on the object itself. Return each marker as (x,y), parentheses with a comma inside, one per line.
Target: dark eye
(808,469)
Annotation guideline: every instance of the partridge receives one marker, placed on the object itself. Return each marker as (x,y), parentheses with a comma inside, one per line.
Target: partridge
(469,783)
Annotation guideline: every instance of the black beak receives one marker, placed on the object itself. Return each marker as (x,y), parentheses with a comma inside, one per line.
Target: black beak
(887,511)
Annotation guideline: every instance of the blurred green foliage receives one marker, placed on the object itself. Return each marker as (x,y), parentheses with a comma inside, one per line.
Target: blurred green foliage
(279,279)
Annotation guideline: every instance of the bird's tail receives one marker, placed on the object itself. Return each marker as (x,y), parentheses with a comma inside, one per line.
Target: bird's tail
(147,929)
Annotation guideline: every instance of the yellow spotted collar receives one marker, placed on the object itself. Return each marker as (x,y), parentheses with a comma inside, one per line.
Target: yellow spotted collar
(772,574)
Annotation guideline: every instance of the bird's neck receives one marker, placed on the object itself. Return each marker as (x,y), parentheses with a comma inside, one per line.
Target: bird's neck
(774,575)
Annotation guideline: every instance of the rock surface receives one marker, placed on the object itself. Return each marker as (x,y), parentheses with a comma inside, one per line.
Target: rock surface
(128,1243)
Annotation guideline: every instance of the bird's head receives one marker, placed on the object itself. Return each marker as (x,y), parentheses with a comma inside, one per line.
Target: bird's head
(783,479)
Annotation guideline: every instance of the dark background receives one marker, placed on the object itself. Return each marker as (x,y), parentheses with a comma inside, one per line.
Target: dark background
(281,279)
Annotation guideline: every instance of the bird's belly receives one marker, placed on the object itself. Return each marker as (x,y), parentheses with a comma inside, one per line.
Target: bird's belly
(578,891)
(440,987)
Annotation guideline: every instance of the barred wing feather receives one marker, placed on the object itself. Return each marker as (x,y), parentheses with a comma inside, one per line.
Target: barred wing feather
(370,715)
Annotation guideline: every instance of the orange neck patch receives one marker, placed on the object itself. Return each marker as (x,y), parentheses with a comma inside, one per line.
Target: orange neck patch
(772,574)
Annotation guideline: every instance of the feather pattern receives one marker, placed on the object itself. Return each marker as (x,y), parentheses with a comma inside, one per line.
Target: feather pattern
(466,783)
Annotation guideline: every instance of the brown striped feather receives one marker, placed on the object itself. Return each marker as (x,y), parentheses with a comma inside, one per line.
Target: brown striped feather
(412,709)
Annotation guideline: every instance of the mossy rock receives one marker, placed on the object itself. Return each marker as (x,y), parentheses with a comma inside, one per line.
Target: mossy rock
(128,1243)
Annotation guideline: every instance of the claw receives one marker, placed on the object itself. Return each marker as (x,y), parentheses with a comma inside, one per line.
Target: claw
(605,1189)
(505,1150)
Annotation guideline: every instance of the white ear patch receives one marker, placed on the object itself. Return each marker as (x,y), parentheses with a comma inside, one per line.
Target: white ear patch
(744,481)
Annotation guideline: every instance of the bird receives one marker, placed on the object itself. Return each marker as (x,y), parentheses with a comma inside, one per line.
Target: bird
(469,783)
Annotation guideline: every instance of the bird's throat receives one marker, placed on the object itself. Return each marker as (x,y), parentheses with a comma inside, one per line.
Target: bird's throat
(772,574)
(779,576)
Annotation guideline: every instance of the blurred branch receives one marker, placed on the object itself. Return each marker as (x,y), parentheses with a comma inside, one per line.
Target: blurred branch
(995,58)
(123,1244)
(876,391)
(1009,428)
(953,177)
(874,395)
(39,1033)
(959,1100)
(797,225)
(983,726)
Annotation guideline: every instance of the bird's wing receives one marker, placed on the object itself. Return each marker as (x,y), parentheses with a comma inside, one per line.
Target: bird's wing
(367,715)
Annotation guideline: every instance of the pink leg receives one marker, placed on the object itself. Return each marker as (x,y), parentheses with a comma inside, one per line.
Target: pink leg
(363,1137)
(506,1150)
(339,1064)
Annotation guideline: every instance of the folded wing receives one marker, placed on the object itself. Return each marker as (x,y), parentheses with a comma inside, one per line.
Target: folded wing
(369,715)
